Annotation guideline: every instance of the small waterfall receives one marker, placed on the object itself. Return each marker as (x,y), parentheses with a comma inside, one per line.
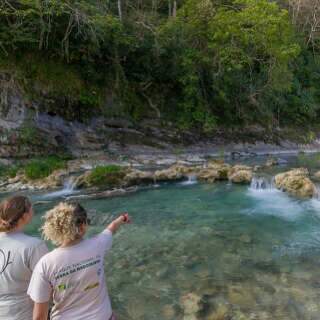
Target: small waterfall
(68,189)
(262,183)
(192,179)
(69,184)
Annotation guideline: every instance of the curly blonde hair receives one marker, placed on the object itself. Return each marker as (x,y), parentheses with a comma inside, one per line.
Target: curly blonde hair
(62,222)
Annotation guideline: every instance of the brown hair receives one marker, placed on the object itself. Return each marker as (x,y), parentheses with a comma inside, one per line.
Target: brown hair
(63,221)
(11,210)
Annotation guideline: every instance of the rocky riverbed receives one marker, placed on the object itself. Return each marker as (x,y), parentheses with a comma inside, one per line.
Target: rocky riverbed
(211,239)
(133,174)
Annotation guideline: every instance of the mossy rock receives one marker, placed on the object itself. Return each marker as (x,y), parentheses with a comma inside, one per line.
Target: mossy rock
(110,176)
(296,182)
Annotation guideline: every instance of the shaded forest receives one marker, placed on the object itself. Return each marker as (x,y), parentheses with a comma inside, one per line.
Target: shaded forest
(197,63)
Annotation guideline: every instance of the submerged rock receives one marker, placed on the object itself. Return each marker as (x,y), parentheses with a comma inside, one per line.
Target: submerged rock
(221,313)
(168,312)
(190,304)
(240,296)
(296,182)
(103,194)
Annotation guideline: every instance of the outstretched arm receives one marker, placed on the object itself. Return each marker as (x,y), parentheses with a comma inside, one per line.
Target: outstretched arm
(115,224)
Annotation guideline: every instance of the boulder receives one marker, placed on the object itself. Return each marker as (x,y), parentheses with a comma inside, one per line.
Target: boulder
(190,303)
(185,170)
(214,171)
(169,174)
(271,162)
(208,175)
(82,181)
(296,182)
(240,174)
(316,176)
(20,182)
(220,313)
(55,180)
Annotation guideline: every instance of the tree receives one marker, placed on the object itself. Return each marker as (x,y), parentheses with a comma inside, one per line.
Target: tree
(230,56)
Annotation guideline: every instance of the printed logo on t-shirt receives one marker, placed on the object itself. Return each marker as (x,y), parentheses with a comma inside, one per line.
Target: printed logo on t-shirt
(68,270)
(91,286)
(4,260)
(64,286)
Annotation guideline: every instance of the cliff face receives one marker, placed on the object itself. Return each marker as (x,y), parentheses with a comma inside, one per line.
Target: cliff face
(32,125)
(12,105)
(27,129)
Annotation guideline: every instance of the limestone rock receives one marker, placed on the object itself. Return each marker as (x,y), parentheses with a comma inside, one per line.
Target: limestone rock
(185,170)
(316,176)
(240,174)
(53,181)
(20,182)
(169,174)
(240,296)
(220,313)
(168,312)
(190,304)
(214,171)
(136,177)
(271,162)
(296,182)
(82,181)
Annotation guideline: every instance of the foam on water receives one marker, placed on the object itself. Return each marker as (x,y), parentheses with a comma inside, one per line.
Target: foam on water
(262,184)
(271,201)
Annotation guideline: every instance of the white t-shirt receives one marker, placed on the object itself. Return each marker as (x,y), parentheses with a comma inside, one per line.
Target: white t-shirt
(74,277)
(19,254)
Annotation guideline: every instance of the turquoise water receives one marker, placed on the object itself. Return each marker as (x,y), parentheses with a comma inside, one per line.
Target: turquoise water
(246,254)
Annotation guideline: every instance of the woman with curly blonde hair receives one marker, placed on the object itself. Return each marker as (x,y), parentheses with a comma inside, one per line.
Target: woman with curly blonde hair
(19,255)
(73,274)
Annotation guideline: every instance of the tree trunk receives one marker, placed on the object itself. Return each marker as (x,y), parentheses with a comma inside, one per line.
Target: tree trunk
(120,10)
(174,11)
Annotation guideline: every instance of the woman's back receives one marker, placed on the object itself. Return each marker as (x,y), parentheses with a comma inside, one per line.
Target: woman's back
(19,254)
(75,277)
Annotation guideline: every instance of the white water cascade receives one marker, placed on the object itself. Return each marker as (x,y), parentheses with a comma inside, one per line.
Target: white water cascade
(68,189)
(262,183)
(192,179)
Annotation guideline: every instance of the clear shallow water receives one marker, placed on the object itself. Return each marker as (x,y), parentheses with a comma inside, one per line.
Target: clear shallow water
(248,254)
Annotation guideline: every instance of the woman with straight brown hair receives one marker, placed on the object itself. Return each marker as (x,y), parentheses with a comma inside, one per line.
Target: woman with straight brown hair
(19,254)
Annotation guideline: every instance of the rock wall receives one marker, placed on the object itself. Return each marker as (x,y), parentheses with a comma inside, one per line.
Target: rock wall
(27,131)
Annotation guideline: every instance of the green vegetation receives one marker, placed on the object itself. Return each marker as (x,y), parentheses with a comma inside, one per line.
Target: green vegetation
(198,63)
(307,160)
(42,168)
(106,176)
(8,171)
(28,135)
